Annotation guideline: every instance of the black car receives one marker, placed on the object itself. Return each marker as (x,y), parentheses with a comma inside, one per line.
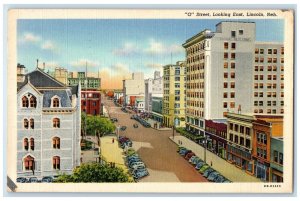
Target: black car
(47,180)
(114,119)
(33,180)
(135,126)
(123,128)
(21,180)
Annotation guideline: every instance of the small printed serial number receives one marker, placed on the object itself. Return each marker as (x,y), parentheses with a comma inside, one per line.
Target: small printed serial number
(272,185)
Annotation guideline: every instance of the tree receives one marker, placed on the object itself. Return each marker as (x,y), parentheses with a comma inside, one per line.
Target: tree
(94,172)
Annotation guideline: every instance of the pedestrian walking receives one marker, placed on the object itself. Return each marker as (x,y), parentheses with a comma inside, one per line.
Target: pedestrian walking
(211,163)
(113,140)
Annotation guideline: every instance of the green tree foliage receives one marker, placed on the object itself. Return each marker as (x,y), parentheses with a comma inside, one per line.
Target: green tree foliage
(94,173)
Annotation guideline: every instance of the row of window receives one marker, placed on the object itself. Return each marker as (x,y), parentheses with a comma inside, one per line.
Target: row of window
(269,60)
(194,94)
(232,65)
(269,68)
(269,94)
(195,76)
(232,75)
(232,95)
(195,67)
(269,103)
(195,112)
(232,105)
(268,111)
(278,157)
(30,123)
(30,102)
(30,143)
(29,163)
(269,77)
(232,55)
(226,44)
(198,85)
(262,153)
(270,51)
(239,128)
(239,140)
(269,85)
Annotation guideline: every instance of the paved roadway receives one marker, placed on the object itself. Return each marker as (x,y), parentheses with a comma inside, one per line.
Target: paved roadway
(155,148)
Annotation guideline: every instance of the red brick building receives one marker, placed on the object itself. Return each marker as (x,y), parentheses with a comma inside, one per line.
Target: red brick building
(91,102)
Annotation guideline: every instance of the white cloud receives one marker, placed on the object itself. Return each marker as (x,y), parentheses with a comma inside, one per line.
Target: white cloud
(48,45)
(84,62)
(156,47)
(30,37)
(154,65)
(126,50)
(120,68)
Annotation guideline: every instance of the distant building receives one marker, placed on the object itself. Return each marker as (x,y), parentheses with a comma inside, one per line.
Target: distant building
(91,102)
(174,95)
(157,108)
(134,87)
(153,87)
(80,78)
(118,94)
(21,73)
(61,74)
(48,124)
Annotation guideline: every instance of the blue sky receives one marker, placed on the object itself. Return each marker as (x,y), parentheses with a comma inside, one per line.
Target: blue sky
(116,47)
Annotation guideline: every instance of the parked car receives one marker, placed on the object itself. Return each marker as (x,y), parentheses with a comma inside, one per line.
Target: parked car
(114,119)
(137,174)
(47,179)
(199,165)
(213,176)
(135,126)
(138,168)
(189,155)
(207,172)
(184,152)
(192,159)
(196,161)
(128,158)
(21,180)
(33,180)
(134,160)
(179,148)
(137,165)
(203,168)
(219,179)
(227,181)
(123,128)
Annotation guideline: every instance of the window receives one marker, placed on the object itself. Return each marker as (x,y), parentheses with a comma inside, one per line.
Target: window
(282,60)
(56,143)
(177,92)
(261,103)
(241,32)
(261,94)
(261,85)
(274,68)
(55,102)
(32,123)
(242,141)
(241,129)
(25,144)
(225,105)
(232,56)
(274,60)
(232,95)
(274,103)
(274,77)
(94,103)
(282,85)
(225,85)
(261,60)
(26,123)
(256,59)
(231,137)
(281,158)
(247,131)
(32,144)
(281,94)
(32,101)
(247,143)
(236,139)
(177,98)
(282,68)
(225,55)
(256,50)
(269,68)
(225,95)
(177,78)
(29,163)
(275,153)
(233,34)
(255,103)
(177,85)
(282,77)
(274,51)
(261,68)
(232,85)
(261,51)
(177,72)
(225,64)
(232,75)
(232,104)
(282,103)
(225,45)
(225,75)
(256,68)
(269,51)
(232,45)
(56,162)
(261,77)
(255,77)
(56,123)
(25,101)
(232,65)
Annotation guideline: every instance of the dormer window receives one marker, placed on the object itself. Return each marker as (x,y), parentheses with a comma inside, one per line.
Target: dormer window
(32,101)
(55,102)
(29,101)
(25,101)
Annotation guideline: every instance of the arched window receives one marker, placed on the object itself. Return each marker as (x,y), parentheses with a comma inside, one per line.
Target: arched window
(55,102)
(26,144)
(26,123)
(29,163)
(56,162)
(25,101)
(31,123)
(56,123)
(56,143)
(32,144)
(32,101)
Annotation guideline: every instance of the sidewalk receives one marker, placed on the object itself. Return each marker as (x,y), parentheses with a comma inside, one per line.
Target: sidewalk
(228,170)
(152,122)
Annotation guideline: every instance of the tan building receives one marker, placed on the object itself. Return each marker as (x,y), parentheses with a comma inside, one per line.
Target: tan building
(61,74)
(174,95)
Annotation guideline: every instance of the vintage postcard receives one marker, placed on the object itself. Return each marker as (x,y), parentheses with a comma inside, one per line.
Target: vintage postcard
(150,100)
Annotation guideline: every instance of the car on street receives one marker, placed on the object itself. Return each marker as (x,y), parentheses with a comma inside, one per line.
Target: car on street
(219,179)
(213,176)
(47,179)
(189,155)
(137,174)
(199,165)
(136,164)
(133,156)
(138,168)
(207,172)
(192,159)
(196,161)
(33,180)
(203,168)
(180,148)
(135,160)
(114,120)
(184,152)
(135,126)
(21,180)
(227,181)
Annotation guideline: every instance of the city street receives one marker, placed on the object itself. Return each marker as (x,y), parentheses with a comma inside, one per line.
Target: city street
(155,148)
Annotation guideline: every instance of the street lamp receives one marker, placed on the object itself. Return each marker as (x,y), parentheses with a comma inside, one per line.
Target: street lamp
(118,131)
(205,146)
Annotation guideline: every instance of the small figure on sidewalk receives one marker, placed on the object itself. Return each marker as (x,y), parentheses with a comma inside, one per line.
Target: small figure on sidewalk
(211,163)
(113,140)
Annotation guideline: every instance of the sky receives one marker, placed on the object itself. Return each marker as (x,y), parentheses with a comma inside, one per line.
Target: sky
(116,47)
